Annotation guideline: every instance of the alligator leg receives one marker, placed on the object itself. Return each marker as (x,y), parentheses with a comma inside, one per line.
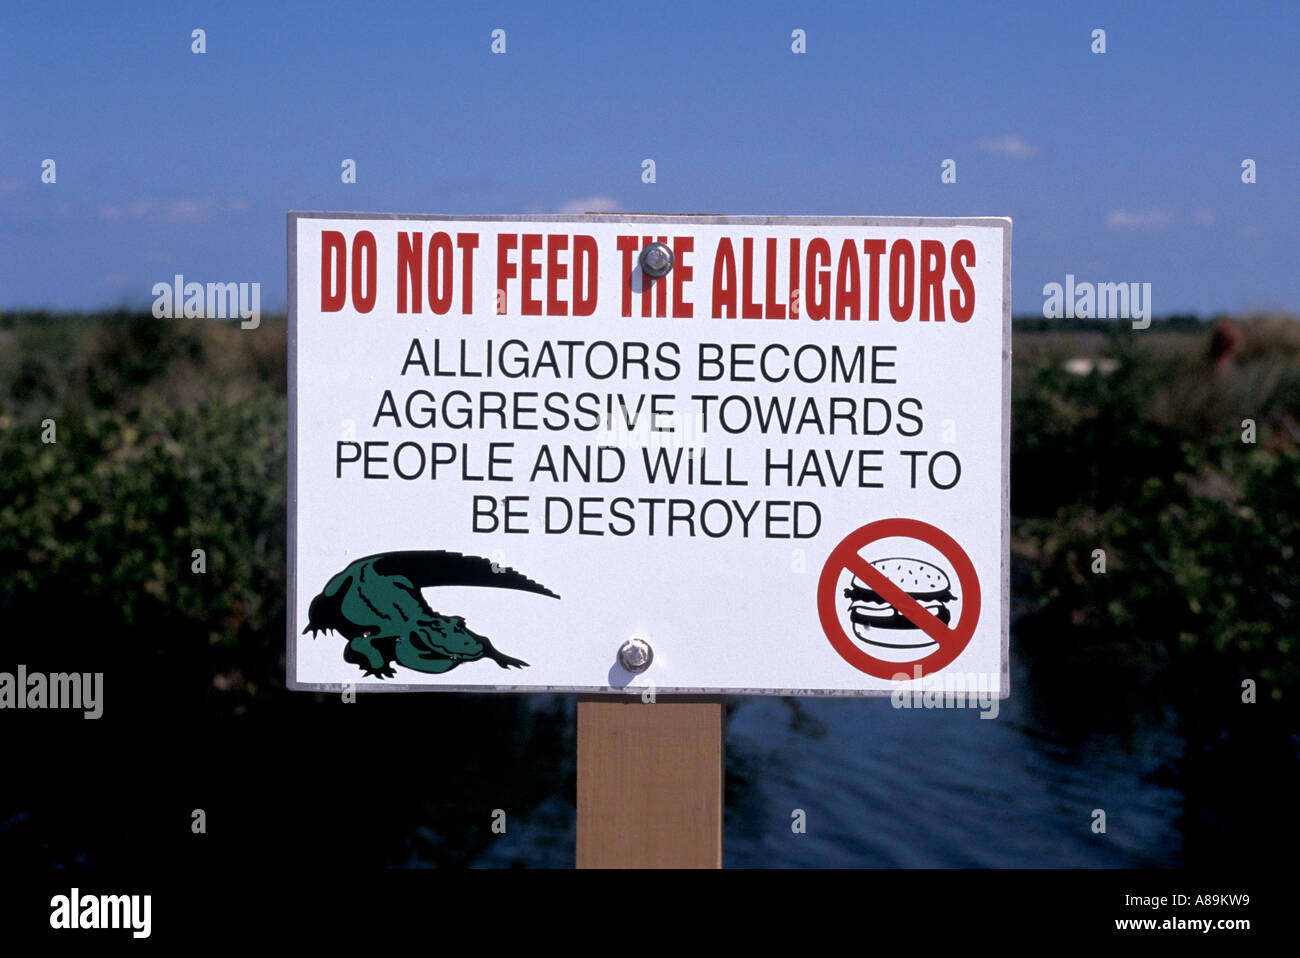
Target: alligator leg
(361,651)
(500,658)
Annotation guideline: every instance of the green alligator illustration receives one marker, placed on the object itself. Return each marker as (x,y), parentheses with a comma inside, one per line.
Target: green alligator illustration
(375,603)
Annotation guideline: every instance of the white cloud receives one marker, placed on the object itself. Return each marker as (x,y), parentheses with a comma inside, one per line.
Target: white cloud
(1141,220)
(1009,144)
(171,211)
(590,204)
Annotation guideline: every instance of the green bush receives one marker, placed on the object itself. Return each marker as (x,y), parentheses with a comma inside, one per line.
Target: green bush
(98,529)
(114,508)
(1198,527)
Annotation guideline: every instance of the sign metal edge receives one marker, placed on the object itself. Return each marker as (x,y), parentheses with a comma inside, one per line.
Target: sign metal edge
(291,489)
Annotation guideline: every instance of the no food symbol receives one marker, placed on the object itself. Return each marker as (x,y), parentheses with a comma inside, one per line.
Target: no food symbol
(889,617)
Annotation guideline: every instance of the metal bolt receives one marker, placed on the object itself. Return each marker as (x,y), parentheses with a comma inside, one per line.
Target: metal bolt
(636,655)
(656,260)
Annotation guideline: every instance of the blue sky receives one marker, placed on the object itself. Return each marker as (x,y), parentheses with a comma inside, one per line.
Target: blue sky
(1124,166)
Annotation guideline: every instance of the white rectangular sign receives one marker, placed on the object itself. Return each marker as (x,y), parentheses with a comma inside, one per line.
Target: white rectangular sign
(781,466)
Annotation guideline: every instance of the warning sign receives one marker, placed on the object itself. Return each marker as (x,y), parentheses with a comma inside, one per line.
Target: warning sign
(607,452)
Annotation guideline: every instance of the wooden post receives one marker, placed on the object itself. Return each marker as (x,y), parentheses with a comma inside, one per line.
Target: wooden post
(649,782)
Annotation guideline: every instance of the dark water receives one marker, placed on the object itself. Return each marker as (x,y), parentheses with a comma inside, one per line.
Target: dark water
(410,781)
(886,787)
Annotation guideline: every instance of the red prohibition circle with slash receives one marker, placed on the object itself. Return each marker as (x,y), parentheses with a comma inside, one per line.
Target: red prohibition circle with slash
(951,640)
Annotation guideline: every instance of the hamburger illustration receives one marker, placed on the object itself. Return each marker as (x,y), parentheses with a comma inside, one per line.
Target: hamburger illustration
(924,582)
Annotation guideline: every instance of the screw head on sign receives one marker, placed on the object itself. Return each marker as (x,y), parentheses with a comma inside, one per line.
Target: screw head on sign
(656,260)
(636,655)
